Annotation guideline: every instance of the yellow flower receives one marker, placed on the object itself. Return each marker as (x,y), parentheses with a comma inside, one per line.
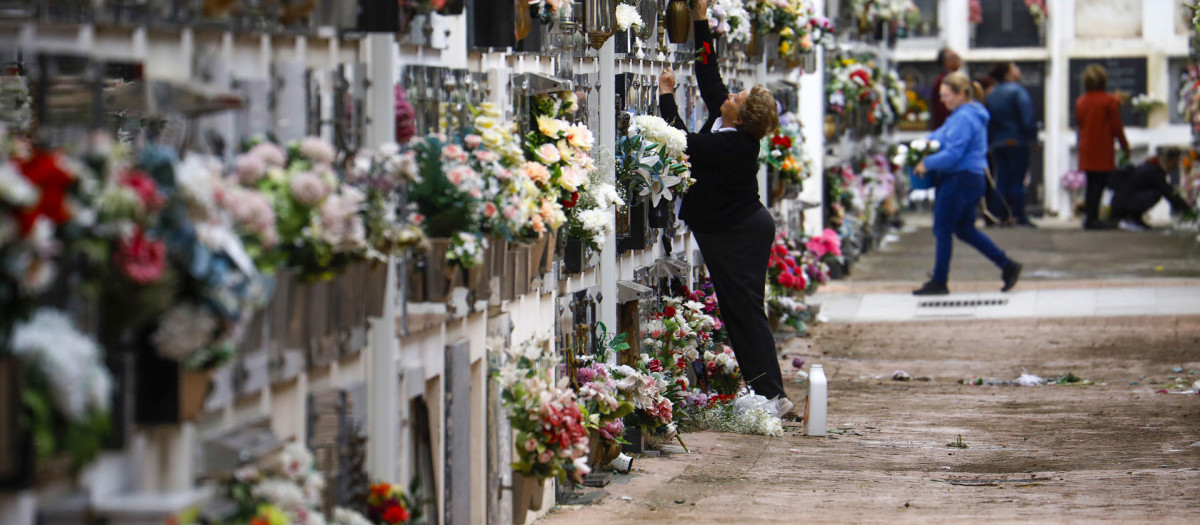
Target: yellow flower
(785,48)
(549,126)
(787,32)
(485,122)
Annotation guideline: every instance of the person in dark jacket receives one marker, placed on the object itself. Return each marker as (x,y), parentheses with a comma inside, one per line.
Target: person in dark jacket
(722,208)
(1012,130)
(961,162)
(950,62)
(1136,190)
(1098,124)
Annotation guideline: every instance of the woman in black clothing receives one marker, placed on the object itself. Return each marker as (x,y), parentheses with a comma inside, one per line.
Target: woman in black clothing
(723,209)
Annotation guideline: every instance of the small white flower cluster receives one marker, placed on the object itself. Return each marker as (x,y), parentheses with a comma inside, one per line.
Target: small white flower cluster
(185,328)
(344,516)
(71,362)
(658,131)
(729,17)
(1146,102)
(289,481)
(742,416)
(628,16)
(466,249)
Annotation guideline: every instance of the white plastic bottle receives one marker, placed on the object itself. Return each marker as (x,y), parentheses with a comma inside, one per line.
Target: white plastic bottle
(817,402)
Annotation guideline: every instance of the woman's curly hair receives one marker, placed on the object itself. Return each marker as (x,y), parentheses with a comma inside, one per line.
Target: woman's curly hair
(759,114)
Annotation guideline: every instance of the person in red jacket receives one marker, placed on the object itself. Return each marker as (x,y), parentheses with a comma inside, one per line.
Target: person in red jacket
(950,62)
(1098,123)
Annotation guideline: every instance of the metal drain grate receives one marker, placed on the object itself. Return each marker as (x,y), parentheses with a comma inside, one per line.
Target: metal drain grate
(971,303)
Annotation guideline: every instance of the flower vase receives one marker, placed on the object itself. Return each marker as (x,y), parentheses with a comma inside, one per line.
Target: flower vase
(193,390)
(678,21)
(538,251)
(660,215)
(830,127)
(529,493)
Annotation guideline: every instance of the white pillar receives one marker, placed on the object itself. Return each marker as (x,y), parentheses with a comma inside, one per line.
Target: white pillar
(812,115)
(608,135)
(1057,131)
(382,385)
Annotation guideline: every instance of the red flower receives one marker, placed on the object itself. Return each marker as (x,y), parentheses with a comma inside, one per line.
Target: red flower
(43,171)
(145,188)
(571,203)
(669,312)
(395,514)
(655,365)
(782,141)
(381,491)
(787,280)
(140,259)
(681,363)
(780,250)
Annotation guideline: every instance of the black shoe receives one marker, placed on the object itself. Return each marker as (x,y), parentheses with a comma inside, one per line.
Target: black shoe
(932,288)
(1010,274)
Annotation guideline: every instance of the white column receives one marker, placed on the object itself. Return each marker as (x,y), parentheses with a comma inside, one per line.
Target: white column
(382,386)
(812,115)
(1057,131)
(608,135)
(956,32)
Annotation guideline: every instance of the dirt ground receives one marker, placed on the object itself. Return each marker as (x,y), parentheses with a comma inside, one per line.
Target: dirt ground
(1113,451)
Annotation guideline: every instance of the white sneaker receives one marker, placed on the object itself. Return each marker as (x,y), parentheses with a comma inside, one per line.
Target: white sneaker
(783,406)
(1130,226)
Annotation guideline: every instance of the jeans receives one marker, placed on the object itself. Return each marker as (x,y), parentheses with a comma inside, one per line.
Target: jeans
(954,214)
(1012,163)
(737,261)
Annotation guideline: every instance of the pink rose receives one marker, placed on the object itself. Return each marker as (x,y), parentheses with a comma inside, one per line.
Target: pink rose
(549,153)
(140,259)
(531,445)
(454,152)
(472,141)
(489,210)
(537,172)
(460,174)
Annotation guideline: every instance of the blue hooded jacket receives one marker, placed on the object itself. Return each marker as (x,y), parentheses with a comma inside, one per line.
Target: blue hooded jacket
(963,140)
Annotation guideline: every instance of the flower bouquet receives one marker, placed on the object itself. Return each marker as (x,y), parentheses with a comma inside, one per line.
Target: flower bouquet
(730,18)
(388,504)
(284,485)
(606,404)
(911,155)
(650,160)
(552,436)
(629,17)
(1145,103)
(66,390)
(378,174)
(784,273)
(743,413)
(722,370)
(799,28)
(784,152)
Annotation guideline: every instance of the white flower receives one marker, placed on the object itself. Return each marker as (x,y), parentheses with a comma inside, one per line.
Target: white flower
(341,225)
(284,494)
(627,17)
(308,188)
(184,329)
(317,150)
(918,144)
(69,359)
(580,136)
(549,153)
(658,131)
(934,146)
(344,516)
(270,154)
(198,178)
(572,178)
(15,189)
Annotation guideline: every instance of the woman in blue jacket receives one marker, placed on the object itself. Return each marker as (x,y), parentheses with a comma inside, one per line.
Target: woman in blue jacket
(961,163)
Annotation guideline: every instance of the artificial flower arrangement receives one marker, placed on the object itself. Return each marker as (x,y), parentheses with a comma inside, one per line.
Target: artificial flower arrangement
(1037,8)
(784,151)
(39,190)
(721,369)
(1189,94)
(562,149)
(512,202)
(743,413)
(838,182)
(66,390)
(784,273)
(650,160)
(389,504)
(916,110)
(1145,103)
(799,28)
(164,252)
(280,488)
(730,18)
(318,223)
(550,424)
(825,246)
(629,17)
(16,103)
(1073,181)
(914,152)
(901,15)
(651,393)
(894,95)
(448,196)
(597,387)
(378,174)
(851,86)
(1189,186)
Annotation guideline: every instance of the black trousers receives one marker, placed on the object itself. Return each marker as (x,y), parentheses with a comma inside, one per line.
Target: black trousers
(1096,182)
(737,261)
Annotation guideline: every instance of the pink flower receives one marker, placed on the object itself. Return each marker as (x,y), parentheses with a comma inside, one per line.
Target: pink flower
(655,365)
(488,157)
(144,187)
(270,154)
(612,430)
(472,141)
(531,445)
(549,153)
(458,175)
(140,259)
(417,219)
(250,168)
(308,188)
(317,150)
(454,152)
(489,210)
(252,211)
(537,172)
